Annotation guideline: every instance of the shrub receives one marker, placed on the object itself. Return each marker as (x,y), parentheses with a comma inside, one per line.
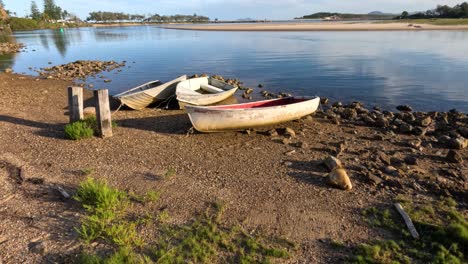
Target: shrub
(18,23)
(78,130)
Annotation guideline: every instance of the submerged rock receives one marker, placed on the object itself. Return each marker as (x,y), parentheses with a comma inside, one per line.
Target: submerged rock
(404,108)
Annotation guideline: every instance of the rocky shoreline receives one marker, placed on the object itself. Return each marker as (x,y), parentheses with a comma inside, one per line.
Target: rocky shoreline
(275,180)
(79,69)
(7,47)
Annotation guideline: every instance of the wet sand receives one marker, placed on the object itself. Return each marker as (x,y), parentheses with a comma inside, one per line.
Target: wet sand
(320,26)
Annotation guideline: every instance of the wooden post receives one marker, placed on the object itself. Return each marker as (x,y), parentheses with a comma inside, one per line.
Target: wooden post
(103,113)
(75,103)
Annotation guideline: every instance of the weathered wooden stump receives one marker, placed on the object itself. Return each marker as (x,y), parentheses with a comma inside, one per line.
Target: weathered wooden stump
(75,103)
(103,113)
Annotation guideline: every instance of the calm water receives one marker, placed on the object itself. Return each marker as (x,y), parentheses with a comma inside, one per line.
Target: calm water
(427,69)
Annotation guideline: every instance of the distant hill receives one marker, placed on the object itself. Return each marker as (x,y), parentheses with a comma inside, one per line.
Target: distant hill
(371,16)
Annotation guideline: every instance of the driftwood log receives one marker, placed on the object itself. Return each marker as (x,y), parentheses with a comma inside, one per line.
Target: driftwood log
(408,221)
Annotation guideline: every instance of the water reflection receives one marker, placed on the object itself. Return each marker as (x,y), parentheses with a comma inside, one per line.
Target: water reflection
(426,69)
(61,41)
(7,60)
(109,36)
(44,41)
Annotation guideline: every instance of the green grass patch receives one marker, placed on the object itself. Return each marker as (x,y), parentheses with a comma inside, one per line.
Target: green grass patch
(204,240)
(78,130)
(207,241)
(106,209)
(82,129)
(443,235)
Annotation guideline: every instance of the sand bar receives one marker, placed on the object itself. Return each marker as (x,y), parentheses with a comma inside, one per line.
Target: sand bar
(320,26)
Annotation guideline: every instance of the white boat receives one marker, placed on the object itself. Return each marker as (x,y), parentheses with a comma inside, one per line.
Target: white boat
(250,115)
(142,96)
(203,91)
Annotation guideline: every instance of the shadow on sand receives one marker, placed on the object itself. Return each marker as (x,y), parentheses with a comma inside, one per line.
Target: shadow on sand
(167,124)
(46,129)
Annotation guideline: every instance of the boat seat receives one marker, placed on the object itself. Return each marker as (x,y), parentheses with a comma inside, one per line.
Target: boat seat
(211,88)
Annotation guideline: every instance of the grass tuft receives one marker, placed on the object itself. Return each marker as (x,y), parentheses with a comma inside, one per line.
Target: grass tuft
(78,130)
(443,235)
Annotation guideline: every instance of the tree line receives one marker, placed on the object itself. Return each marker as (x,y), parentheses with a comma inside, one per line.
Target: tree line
(51,11)
(103,16)
(441,11)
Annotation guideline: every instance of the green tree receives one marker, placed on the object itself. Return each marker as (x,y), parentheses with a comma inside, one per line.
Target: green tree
(51,10)
(404,15)
(35,13)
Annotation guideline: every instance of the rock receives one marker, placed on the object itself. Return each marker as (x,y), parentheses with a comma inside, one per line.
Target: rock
(411,160)
(37,247)
(374,179)
(302,145)
(390,170)
(379,137)
(368,120)
(107,81)
(404,108)
(458,143)
(383,157)
(260,85)
(463,131)
(332,163)
(8,70)
(249,91)
(415,143)
(420,131)
(273,133)
(288,163)
(424,122)
(382,122)
(454,157)
(337,104)
(324,101)
(339,178)
(285,141)
(349,113)
(289,132)
(444,139)
(396,162)
(405,128)
(290,153)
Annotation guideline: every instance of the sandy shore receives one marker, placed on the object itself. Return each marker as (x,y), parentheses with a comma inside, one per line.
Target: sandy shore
(270,184)
(323,26)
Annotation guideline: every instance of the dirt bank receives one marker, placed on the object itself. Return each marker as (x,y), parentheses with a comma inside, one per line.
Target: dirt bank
(269,184)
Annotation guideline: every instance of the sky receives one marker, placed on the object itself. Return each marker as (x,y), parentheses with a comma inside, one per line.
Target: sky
(234,9)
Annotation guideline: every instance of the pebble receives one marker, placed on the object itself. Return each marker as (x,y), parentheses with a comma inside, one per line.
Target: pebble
(411,160)
(458,143)
(289,132)
(406,128)
(332,163)
(454,157)
(463,131)
(374,179)
(37,247)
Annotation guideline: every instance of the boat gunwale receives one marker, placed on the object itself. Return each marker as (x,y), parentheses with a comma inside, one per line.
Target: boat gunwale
(129,92)
(220,108)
